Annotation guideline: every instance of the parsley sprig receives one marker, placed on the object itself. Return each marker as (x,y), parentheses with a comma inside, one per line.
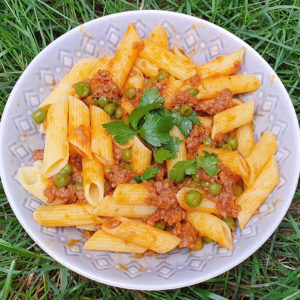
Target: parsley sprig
(149,174)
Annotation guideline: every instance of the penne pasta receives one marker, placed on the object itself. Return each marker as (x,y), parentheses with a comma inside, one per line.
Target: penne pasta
(222,65)
(90,227)
(101,141)
(141,157)
(232,118)
(79,127)
(102,241)
(108,207)
(125,56)
(181,154)
(159,37)
(141,234)
(65,215)
(92,180)
(252,198)
(135,79)
(265,148)
(56,152)
(212,227)
(148,69)
(167,60)
(172,88)
(231,159)
(238,84)
(83,69)
(126,145)
(177,50)
(131,193)
(245,139)
(206,122)
(33,181)
(207,205)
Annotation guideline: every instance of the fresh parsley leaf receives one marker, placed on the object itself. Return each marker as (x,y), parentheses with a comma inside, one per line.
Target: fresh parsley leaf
(122,132)
(182,168)
(150,100)
(173,146)
(209,163)
(161,154)
(149,174)
(155,130)
(184,123)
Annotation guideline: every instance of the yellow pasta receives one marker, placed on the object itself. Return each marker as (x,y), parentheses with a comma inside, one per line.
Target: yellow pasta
(102,241)
(125,56)
(172,88)
(135,79)
(56,152)
(159,37)
(142,234)
(141,157)
(212,227)
(92,180)
(206,205)
(222,65)
(90,227)
(232,118)
(245,139)
(260,154)
(165,59)
(177,50)
(126,145)
(33,181)
(231,159)
(242,83)
(181,154)
(206,122)
(101,141)
(252,198)
(131,193)
(108,207)
(79,127)
(149,69)
(83,69)
(65,215)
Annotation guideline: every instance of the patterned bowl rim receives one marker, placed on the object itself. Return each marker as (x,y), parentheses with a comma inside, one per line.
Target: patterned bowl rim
(130,283)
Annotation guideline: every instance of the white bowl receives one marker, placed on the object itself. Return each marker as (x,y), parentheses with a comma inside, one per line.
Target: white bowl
(204,41)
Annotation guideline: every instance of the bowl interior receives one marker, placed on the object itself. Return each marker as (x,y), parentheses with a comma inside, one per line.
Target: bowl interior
(202,40)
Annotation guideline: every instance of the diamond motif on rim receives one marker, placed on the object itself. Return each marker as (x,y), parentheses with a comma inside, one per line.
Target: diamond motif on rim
(133,270)
(102,262)
(196,264)
(31,204)
(75,250)
(113,37)
(52,231)
(19,151)
(65,58)
(141,27)
(31,99)
(164,270)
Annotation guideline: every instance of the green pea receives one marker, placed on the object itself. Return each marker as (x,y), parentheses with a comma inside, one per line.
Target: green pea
(126,154)
(239,190)
(196,177)
(207,240)
(110,108)
(67,169)
(193,185)
(83,89)
(193,198)
(233,142)
(220,144)
(78,185)
(198,245)
(215,188)
(160,225)
(226,147)
(62,180)
(169,228)
(127,167)
(126,121)
(207,142)
(108,170)
(116,101)
(186,110)
(102,101)
(230,222)
(204,184)
(118,112)
(162,74)
(39,116)
(193,91)
(130,93)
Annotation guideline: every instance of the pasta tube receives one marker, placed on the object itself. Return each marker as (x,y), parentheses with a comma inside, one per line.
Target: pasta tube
(56,152)
(141,234)
(131,193)
(149,69)
(159,37)
(245,138)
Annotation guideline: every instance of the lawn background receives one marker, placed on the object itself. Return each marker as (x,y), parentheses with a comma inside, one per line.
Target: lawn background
(270,27)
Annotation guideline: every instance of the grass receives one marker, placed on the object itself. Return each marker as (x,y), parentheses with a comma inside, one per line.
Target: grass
(271,27)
